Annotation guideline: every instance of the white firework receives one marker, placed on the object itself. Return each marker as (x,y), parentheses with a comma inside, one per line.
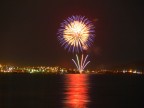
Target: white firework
(81,63)
(76,33)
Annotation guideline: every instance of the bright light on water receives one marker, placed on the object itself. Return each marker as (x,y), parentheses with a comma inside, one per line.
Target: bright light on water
(76,95)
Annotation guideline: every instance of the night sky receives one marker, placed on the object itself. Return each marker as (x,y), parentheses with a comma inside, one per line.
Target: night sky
(28,31)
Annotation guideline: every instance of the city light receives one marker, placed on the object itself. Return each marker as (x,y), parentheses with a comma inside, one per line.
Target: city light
(80,63)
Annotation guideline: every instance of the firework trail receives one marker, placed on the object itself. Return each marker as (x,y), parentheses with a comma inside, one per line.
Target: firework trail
(81,63)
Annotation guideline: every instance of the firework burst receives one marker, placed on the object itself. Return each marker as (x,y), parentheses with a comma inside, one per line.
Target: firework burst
(82,63)
(76,34)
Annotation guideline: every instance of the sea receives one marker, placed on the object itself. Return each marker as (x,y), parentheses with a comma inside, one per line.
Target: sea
(71,91)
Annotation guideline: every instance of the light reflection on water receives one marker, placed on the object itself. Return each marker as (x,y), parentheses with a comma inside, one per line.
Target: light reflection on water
(76,91)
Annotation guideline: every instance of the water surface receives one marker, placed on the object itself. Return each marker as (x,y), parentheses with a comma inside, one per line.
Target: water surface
(71,91)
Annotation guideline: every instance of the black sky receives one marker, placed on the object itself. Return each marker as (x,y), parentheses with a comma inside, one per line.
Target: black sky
(28,31)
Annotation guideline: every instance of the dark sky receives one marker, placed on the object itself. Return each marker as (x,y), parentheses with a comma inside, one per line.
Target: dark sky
(28,31)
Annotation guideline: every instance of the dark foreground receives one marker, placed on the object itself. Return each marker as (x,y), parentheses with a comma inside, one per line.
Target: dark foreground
(71,91)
